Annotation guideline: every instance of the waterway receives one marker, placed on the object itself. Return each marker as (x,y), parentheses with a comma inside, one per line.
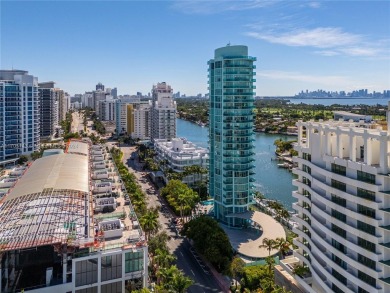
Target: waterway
(341,101)
(272,181)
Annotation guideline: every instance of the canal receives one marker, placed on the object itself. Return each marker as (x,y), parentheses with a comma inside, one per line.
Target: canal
(272,181)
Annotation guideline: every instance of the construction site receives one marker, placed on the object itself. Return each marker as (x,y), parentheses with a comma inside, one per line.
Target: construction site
(67,226)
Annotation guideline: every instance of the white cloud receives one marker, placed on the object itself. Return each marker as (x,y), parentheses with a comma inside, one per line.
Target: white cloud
(325,80)
(322,37)
(314,4)
(217,6)
(331,41)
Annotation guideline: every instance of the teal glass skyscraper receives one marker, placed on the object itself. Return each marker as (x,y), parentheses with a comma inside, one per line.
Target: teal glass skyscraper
(231,90)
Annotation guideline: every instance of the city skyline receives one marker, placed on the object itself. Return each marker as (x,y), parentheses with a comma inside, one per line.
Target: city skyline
(299,45)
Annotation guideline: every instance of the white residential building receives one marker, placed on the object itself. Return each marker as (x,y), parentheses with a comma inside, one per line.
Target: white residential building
(179,153)
(98,95)
(163,112)
(19,115)
(87,99)
(141,121)
(107,109)
(124,114)
(343,207)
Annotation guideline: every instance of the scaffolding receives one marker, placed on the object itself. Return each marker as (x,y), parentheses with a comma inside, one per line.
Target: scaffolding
(46,218)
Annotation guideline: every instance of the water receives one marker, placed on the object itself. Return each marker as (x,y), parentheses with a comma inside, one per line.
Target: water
(340,101)
(273,182)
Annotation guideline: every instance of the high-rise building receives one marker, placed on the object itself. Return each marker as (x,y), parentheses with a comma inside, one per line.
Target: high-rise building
(141,120)
(231,132)
(48,109)
(107,109)
(63,103)
(114,92)
(19,115)
(163,112)
(98,96)
(100,87)
(342,207)
(123,116)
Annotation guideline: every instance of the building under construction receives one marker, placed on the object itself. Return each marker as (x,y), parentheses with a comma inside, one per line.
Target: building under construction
(66,226)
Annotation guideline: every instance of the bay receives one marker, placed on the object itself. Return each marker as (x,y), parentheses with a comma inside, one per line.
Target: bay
(272,181)
(341,101)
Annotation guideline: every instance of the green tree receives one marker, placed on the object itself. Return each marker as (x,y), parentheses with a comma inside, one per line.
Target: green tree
(163,258)
(236,269)
(158,241)
(22,159)
(210,240)
(282,245)
(149,222)
(180,283)
(269,244)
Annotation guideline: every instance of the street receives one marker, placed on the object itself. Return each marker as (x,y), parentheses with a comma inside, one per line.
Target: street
(186,261)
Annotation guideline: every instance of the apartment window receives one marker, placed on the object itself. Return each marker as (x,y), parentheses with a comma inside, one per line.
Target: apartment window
(339,185)
(339,261)
(306,156)
(88,290)
(365,177)
(111,267)
(306,193)
(339,231)
(339,246)
(339,200)
(339,276)
(366,244)
(86,272)
(361,290)
(366,194)
(340,216)
(112,288)
(339,169)
(366,261)
(366,227)
(367,278)
(134,261)
(336,289)
(306,181)
(306,169)
(369,212)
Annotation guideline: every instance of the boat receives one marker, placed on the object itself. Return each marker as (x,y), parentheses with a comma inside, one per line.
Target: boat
(284,165)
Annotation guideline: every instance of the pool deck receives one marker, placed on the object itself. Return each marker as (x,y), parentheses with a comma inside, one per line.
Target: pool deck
(247,241)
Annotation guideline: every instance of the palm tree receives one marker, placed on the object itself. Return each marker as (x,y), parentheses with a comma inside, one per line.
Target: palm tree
(163,258)
(269,244)
(149,222)
(165,275)
(282,245)
(270,262)
(180,283)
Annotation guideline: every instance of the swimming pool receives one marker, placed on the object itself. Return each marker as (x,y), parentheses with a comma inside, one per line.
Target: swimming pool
(208,202)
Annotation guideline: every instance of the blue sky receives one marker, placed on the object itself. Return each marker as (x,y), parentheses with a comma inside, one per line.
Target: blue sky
(131,45)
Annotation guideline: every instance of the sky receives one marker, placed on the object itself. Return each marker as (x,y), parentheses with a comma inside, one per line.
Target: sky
(131,45)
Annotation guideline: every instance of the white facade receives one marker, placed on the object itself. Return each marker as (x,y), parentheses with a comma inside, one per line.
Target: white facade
(142,121)
(121,117)
(87,99)
(163,112)
(19,114)
(180,153)
(342,206)
(107,109)
(98,95)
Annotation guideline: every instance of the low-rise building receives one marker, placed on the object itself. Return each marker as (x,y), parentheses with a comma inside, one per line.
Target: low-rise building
(179,153)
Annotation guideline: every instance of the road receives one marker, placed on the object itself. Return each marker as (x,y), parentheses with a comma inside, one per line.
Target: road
(186,261)
(77,122)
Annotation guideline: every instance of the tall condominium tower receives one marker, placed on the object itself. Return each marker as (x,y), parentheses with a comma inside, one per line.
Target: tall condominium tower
(48,109)
(163,112)
(19,114)
(231,131)
(100,87)
(343,207)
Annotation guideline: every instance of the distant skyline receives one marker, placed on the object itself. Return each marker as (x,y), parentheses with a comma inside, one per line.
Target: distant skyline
(131,45)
